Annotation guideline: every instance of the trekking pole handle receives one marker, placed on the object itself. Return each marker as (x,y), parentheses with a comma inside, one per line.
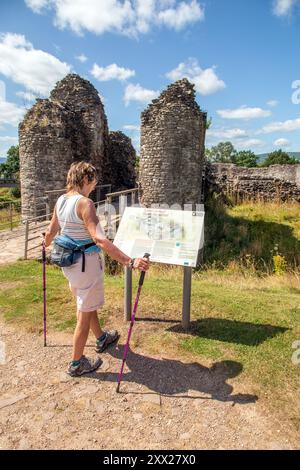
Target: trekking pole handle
(44,249)
(142,276)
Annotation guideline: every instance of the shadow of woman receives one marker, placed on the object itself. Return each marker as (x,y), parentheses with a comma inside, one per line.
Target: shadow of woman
(171,377)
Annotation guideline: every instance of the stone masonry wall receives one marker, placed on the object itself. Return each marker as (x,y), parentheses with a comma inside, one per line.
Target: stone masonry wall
(69,126)
(172,147)
(122,158)
(277,182)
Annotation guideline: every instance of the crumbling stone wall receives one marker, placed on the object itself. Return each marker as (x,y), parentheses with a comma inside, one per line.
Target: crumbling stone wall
(276,182)
(172,147)
(42,141)
(69,126)
(90,141)
(122,158)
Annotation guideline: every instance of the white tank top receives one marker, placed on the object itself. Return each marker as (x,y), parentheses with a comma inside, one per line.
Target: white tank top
(69,222)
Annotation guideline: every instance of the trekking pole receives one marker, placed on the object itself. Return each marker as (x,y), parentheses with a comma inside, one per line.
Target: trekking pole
(44,290)
(141,281)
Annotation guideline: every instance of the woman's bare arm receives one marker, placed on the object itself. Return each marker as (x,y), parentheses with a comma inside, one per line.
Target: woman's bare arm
(88,213)
(52,229)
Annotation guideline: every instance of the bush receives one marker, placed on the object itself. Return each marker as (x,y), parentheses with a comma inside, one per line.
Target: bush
(15,192)
(280,265)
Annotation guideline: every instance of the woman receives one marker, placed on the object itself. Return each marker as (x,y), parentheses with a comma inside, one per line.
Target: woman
(75,216)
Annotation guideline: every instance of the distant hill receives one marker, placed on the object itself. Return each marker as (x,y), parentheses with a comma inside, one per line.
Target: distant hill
(2,159)
(262,156)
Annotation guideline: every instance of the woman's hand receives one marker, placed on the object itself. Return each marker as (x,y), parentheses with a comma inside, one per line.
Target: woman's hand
(142,264)
(42,237)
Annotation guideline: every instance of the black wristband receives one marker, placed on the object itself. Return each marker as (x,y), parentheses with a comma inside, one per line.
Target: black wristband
(131,263)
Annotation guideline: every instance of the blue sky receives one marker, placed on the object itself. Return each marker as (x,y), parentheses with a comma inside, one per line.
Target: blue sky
(242,56)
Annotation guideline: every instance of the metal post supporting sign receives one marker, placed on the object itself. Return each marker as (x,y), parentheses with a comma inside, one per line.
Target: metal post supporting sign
(180,246)
(186,295)
(186,298)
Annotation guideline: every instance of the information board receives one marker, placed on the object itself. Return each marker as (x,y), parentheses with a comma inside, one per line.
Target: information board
(170,236)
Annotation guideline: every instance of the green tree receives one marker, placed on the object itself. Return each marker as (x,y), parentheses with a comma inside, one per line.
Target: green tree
(279,158)
(11,168)
(246,158)
(224,152)
(208,123)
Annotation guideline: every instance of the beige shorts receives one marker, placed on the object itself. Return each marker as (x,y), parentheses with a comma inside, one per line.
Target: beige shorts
(87,287)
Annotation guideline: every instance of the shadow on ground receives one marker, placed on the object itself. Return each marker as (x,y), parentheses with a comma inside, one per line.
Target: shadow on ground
(230,331)
(170,377)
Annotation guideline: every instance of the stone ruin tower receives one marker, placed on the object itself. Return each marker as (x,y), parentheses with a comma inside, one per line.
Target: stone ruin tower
(69,126)
(172,148)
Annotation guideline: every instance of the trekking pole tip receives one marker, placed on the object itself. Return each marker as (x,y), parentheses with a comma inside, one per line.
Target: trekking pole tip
(118,388)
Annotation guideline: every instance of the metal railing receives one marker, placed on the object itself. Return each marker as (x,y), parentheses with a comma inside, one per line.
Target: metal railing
(8,183)
(41,222)
(119,208)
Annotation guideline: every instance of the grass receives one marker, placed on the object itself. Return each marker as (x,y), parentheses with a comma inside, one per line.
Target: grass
(249,319)
(243,309)
(251,234)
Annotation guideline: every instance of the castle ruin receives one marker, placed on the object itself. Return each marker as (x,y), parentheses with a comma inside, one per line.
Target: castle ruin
(172,148)
(274,183)
(70,126)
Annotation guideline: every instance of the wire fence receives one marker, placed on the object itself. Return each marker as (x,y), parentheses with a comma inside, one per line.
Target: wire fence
(10,215)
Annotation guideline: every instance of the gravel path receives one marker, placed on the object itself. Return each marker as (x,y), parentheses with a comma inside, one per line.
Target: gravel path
(164,403)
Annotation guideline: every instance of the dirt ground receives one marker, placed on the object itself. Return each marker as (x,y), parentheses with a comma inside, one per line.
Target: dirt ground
(12,244)
(165,403)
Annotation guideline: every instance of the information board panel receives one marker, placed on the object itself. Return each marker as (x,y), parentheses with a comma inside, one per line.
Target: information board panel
(170,236)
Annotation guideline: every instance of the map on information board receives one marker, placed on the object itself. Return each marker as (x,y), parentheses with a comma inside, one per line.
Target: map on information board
(170,236)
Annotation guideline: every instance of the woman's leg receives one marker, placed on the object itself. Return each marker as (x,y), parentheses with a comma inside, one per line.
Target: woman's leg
(81,333)
(95,325)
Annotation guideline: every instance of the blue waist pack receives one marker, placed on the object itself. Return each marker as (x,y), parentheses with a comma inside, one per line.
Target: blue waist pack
(66,251)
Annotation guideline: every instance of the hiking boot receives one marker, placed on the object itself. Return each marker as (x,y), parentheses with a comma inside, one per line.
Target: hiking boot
(85,366)
(110,337)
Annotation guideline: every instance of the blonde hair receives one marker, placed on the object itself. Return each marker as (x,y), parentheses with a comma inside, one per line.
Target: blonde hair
(77,172)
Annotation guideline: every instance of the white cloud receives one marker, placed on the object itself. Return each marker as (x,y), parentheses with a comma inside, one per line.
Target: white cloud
(285,126)
(226,133)
(8,138)
(130,17)
(243,113)
(131,127)
(5,143)
(2,90)
(249,143)
(10,113)
(284,7)
(36,70)
(37,5)
(272,103)
(111,72)
(206,80)
(182,15)
(103,100)
(239,138)
(26,95)
(282,143)
(82,58)
(137,93)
